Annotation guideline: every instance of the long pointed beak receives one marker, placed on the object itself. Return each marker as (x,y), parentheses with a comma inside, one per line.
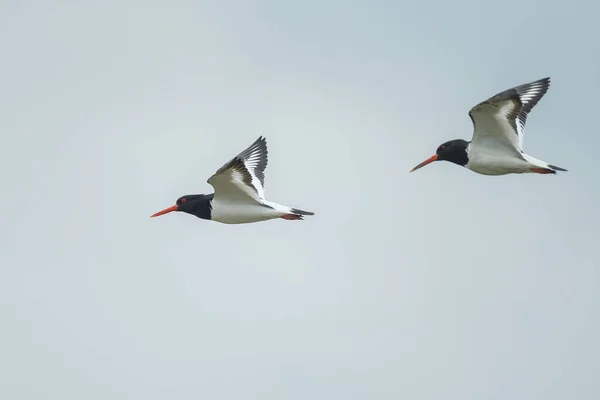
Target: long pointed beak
(165,211)
(424,163)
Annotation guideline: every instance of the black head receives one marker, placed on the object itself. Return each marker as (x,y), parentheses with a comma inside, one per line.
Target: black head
(454,151)
(195,204)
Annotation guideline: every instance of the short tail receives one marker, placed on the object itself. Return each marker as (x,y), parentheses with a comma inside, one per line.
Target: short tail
(301,212)
(555,168)
(550,170)
(296,214)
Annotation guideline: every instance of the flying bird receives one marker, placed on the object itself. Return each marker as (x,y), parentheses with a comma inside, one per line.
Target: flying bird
(239,196)
(497,144)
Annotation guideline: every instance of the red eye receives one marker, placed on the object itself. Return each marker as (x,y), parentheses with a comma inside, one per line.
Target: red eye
(442,147)
(183,200)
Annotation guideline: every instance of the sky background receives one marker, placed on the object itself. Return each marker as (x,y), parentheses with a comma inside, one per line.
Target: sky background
(441,284)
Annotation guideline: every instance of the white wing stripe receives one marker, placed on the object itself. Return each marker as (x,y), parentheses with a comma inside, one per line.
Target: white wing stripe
(503,116)
(244,174)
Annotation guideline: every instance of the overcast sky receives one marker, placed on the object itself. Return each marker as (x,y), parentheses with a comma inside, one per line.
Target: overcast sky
(440,284)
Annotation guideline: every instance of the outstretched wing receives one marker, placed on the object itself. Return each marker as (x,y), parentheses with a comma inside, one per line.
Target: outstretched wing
(244,175)
(502,117)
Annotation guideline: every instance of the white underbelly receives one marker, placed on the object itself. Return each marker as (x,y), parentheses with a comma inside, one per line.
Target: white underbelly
(241,212)
(497,164)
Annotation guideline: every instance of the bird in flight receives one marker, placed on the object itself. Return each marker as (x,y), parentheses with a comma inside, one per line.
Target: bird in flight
(239,196)
(497,144)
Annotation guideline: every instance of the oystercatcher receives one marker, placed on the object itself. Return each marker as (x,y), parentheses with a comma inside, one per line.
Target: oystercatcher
(497,144)
(239,196)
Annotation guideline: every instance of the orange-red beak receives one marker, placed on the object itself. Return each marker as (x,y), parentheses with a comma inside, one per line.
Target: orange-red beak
(424,163)
(165,211)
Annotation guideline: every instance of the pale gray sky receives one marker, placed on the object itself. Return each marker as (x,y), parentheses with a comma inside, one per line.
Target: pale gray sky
(441,284)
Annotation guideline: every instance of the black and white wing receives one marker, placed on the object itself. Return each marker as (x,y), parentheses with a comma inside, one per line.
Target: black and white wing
(244,175)
(503,116)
